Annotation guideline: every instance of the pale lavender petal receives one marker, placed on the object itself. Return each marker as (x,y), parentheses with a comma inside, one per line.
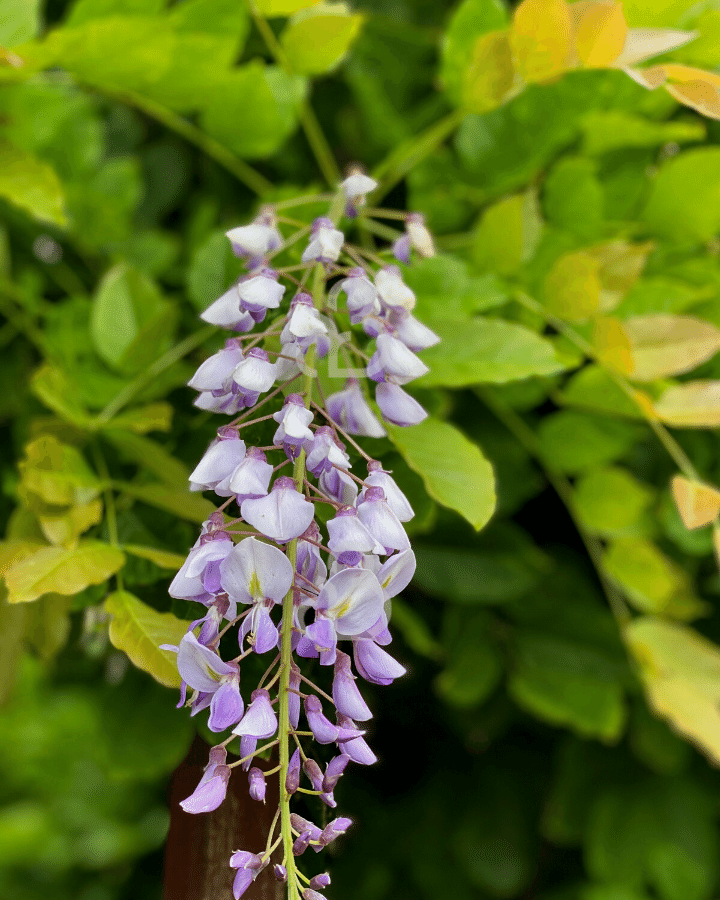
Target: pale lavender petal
(292,779)
(226,707)
(396,573)
(257,786)
(334,770)
(220,460)
(322,728)
(208,795)
(345,692)
(397,406)
(396,500)
(255,571)
(357,748)
(353,598)
(375,664)
(376,515)
(215,373)
(199,666)
(251,479)
(265,633)
(349,409)
(393,361)
(283,515)
(260,720)
(322,634)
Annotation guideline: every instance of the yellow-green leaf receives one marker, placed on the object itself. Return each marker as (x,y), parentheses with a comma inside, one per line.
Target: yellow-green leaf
(52,387)
(693,404)
(67,524)
(31,184)
(541,39)
(698,504)
(681,673)
(644,43)
(163,558)
(317,39)
(612,344)
(507,234)
(57,472)
(141,419)
(138,630)
(663,345)
(58,570)
(490,74)
(273,8)
(455,472)
(571,288)
(600,32)
(611,501)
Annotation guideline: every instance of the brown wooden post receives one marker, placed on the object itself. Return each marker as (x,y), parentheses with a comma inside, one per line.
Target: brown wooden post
(199,846)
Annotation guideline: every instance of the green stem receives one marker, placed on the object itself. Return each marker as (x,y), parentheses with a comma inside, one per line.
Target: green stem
(674,450)
(130,391)
(211,147)
(308,120)
(402,160)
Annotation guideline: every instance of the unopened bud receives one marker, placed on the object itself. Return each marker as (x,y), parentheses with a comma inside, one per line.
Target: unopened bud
(280,873)
(256,779)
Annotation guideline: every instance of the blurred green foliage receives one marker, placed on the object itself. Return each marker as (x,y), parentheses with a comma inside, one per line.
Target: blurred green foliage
(577,286)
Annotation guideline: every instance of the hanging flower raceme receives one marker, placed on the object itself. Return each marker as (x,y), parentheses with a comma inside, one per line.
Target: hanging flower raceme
(271,580)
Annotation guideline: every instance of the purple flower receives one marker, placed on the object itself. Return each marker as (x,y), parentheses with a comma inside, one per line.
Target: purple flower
(349,538)
(215,374)
(248,866)
(375,513)
(221,459)
(251,477)
(334,770)
(293,420)
(212,787)
(375,664)
(334,829)
(393,361)
(254,375)
(292,779)
(346,695)
(197,577)
(304,324)
(420,238)
(320,881)
(349,603)
(355,187)
(256,782)
(397,406)
(294,696)
(349,409)
(280,872)
(411,332)
(255,241)
(260,292)
(226,312)
(325,244)
(401,249)
(356,748)
(397,501)
(281,516)
(339,485)
(203,670)
(396,574)
(260,720)
(362,296)
(323,452)
(392,290)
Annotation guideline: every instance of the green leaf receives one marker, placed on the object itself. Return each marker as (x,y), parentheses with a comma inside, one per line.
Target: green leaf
(59,570)
(138,630)
(85,10)
(32,185)
(274,8)
(571,289)
(150,455)
(573,197)
(54,389)
(455,472)
(471,19)
(507,234)
(19,22)
(163,558)
(141,419)
(192,507)
(316,39)
(613,129)
(573,441)
(131,323)
(254,109)
(212,267)
(592,388)
(650,580)
(474,667)
(684,204)
(611,501)
(491,351)
(443,287)
(414,630)
(57,473)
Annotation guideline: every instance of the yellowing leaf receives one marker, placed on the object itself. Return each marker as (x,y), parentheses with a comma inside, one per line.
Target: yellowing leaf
(645,575)
(162,558)
(644,43)
(58,570)
(612,344)
(13,551)
(681,673)
(600,32)
(541,39)
(138,630)
(316,40)
(694,404)
(698,504)
(611,501)
(32,185)
(664,345)
(57,473)
(571,288)
(489,77)
(272,8)
(620,266)
(695,88)
(66,525)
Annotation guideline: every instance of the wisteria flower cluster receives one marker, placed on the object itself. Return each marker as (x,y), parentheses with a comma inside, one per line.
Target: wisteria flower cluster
(262,562)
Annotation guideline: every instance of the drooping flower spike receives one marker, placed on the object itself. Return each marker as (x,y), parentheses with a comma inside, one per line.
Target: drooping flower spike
(269,577)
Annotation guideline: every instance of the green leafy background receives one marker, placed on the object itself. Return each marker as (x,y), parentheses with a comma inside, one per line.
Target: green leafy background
(557,733)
